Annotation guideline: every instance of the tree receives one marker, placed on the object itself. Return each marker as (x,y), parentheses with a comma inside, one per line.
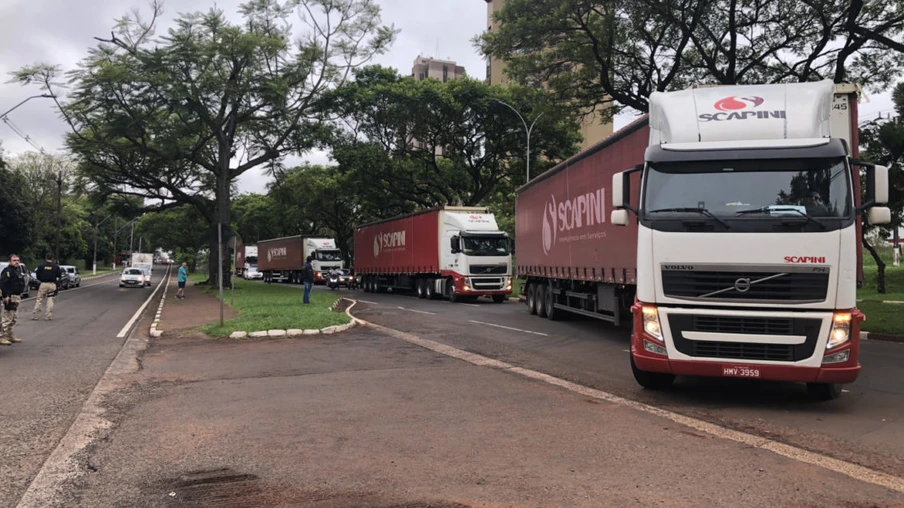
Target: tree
(882,142)
(257,217)
(181,229)
(178,118)
(417,144)
(15,228)
(595,54)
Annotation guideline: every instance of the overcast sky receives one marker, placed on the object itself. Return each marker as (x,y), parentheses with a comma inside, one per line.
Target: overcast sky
(61,32)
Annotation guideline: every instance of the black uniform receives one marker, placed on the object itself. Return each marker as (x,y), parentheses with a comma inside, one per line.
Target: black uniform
(49,272)
(12,281)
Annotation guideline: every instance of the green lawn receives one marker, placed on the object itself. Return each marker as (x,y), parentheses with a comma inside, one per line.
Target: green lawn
(894,283)
(884,318)
(273,307)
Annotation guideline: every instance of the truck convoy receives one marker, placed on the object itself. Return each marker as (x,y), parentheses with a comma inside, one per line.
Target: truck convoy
(281,259)
(734,240)
(144,261)
(452,252)
(246,261)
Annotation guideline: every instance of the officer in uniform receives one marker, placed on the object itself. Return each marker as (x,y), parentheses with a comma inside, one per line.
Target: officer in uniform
(49,274)
(12,285)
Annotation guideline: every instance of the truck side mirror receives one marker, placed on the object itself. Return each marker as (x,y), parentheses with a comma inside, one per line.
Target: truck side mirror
(511,246)
(620,217)
(455,244)
(880,185)
(878,215)
(621,188)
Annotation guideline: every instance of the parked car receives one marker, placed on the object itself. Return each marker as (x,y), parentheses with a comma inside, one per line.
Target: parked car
(132,277)
(252,273)
(75,278)
(65,280)
(25,272)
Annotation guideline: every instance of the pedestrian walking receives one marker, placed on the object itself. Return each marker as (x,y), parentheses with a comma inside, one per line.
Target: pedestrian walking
(307,276)
(49,274)
(181,280)
(12,285)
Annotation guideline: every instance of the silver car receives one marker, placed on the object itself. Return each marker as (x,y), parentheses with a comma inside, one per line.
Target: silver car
(132,277)
(75,278)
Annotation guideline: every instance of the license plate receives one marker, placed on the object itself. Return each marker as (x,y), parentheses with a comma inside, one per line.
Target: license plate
(740,371)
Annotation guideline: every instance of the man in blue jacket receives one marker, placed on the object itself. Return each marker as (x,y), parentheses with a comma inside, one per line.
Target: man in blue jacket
(307,276)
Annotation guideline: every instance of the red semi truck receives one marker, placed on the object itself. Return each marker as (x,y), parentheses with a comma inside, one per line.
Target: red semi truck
(741,253)
(452,252)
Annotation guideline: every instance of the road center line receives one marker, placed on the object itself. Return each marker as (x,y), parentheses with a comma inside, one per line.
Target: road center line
(508,328)
(845,468)
(372,303)
(125,329)
(419,311)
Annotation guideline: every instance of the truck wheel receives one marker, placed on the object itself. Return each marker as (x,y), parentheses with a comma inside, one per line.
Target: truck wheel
(550,305)
(430,289)
(498,298)
(421,290)
(450,291)
(540,297)
(651,380)
(823,391)
(532,299)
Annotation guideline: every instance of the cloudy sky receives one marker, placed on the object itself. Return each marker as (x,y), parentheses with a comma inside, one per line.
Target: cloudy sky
(61,31)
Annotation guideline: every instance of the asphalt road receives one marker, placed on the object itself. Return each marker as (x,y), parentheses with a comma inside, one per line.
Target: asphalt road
(48,377)
(865,425)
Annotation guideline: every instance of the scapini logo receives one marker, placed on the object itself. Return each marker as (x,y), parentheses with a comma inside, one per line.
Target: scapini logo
(394,241)
(276,253)
(740,108)
(578,212)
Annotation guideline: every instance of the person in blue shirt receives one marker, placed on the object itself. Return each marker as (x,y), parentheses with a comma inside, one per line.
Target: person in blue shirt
(183,277)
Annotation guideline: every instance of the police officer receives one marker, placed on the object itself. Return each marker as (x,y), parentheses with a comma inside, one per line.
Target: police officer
(12,285)
(49,274)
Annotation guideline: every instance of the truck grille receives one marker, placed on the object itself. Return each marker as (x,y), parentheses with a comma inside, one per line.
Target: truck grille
(488,283)
(753,326)
(489,269)
(747,286)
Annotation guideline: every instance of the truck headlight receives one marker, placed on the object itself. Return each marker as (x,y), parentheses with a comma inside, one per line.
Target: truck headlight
(651,322)
(841,330)
(467,281)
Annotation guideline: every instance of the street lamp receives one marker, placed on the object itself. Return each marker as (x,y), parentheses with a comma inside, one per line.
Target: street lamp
(527,130)
(59,227)
(96,226)
(10,110)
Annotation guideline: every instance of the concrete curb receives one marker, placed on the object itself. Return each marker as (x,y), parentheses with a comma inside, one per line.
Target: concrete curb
(155,330)
(295,332)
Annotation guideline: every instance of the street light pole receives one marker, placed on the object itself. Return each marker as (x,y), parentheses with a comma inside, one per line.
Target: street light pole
(527,130)
(10,110)
(96,226)
(59,214)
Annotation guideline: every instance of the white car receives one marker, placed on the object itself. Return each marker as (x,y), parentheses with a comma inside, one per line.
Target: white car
(75,278)
(253,273)
(132,277)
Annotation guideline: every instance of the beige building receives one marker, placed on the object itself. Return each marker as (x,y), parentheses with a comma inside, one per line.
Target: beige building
(443,70)
(591,129)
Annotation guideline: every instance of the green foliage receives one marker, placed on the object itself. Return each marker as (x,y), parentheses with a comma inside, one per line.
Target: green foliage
(181,229)
(16,226)
(257,217)
(594,53)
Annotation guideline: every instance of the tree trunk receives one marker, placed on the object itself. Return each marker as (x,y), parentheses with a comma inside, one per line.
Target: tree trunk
(224,202)
(880,265)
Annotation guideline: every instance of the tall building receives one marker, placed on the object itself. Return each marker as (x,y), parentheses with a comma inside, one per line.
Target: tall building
(443,70)
(591,129)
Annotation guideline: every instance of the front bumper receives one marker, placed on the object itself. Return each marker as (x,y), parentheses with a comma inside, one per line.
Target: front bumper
(810,370)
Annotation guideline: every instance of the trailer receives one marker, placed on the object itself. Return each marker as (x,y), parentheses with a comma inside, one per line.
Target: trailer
(281,259)
(731,237)
(455,252)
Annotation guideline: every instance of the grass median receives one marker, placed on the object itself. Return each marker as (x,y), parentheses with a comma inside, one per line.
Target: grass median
(273,307)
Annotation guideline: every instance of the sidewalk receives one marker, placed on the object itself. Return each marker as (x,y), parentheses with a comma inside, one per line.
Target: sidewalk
(196,309)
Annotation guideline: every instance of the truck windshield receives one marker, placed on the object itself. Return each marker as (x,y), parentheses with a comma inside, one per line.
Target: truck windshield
(251,260)
(328,255)
(485,245)
(749,189)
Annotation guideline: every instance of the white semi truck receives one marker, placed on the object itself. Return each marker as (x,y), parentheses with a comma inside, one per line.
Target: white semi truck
(747,210)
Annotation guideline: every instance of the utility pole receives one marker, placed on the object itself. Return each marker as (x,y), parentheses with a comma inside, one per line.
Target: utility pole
(132,238)
(59,227)
(527,130)
(96,226)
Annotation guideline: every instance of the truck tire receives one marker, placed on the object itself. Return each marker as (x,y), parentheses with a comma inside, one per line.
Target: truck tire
(450,291)
(430,289)
(552,313)
(823,391)
(540,296)
(421,288)
(532,299)
(651,380)
(498,298)
(365,283)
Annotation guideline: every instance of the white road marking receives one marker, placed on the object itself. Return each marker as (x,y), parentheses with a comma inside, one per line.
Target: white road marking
(125,329)
(845,468)
(419,311)
(508,328)
(471,304)
(372,303)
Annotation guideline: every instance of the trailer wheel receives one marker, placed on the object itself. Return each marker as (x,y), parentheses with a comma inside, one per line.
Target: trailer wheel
(651,380)
(532,299)
(430,289)
(823,391)
(552,312)
(540,297)
(421,289)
